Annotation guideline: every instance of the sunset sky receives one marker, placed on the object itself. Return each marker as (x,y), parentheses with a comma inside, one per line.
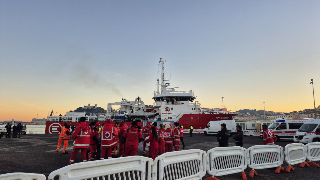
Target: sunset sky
(60,55)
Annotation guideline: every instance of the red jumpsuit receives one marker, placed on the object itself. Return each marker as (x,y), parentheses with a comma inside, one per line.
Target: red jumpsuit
(132,141)
(108,140)
(154,146)
(161,141)
(93,143)
(146,131)
(116,136)
(168,140)
(122,131)
(268,137)
(176,143)
(82,141)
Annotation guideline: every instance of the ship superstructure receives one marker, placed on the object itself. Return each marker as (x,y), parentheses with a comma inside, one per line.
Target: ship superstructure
(173,104)
(180,106)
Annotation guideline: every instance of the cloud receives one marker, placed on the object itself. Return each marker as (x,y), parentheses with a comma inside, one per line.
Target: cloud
(34,106)
(85,76)
(6,106)
(137,87)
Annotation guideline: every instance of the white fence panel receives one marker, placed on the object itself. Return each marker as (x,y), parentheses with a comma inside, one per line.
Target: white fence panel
(265,156)
(187,164)
(295,153)
(313,151)
(226,160)
(22,176)
(133,167)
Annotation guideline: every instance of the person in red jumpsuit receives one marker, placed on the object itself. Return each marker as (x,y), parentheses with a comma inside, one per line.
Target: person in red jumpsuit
(116,136)
(108,140)
(268,136)
(132,137)
(176,133)
(161,139)
(146,132)
(82,140)
(154,143)
(122,131)
(168,139)
(93,140)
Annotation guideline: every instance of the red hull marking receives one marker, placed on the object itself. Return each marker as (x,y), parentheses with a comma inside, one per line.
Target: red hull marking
(284,132)
(200,121)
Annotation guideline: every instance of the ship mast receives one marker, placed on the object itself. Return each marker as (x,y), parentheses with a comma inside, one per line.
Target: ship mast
(162,75)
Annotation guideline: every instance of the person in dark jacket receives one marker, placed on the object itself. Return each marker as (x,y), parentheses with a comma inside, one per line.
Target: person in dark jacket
(8,128)
(238,137)
(19,129)
(223,136)
(14,131)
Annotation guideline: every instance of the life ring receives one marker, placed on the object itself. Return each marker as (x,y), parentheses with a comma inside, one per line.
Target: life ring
(165,119)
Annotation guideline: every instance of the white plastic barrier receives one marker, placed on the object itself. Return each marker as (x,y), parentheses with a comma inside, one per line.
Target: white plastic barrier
(265,156)
(295,153)
(187,164)
(226,160)
(313,153)
(133,167)
(22,176)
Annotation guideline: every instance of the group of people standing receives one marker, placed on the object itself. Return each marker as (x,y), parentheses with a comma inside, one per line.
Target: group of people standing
(223,136)
(118,139)
(16,130)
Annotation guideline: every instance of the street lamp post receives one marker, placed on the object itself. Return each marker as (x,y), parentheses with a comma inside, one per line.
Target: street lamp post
(314,100)
(264,107)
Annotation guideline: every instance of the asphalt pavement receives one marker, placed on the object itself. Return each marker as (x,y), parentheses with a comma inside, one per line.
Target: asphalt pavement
(37,154)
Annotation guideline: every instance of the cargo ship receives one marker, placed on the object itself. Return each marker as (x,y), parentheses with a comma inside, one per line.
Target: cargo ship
(169,105)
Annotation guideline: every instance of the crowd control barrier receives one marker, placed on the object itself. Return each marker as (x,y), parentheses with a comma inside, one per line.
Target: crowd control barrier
(313,153)
(187,164)
(22,176)
(133,167)
(295,153)
(226,160)
(263,157)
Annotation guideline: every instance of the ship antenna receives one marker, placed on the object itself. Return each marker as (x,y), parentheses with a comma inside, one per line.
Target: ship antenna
(222,101)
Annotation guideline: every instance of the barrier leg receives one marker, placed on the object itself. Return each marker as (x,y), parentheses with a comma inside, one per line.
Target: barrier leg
(279,169)
(243,175)
(314,164)
(211,178)
(302,165)
(253,173)
(289,168)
